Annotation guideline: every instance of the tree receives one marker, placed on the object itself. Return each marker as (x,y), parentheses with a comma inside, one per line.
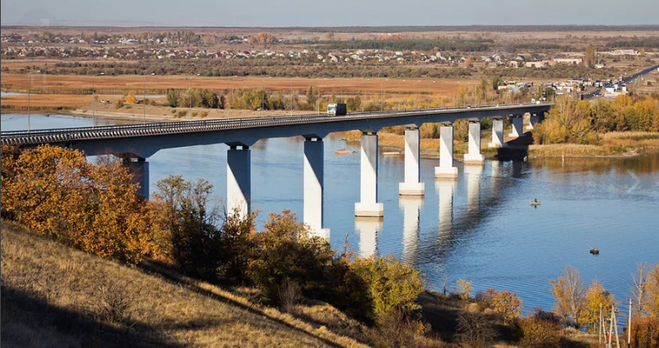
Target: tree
(569,294)
(596,298)
(463,288)
(590,57)
(130,98)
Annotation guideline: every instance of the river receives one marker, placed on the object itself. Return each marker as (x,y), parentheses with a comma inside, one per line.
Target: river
(485,231)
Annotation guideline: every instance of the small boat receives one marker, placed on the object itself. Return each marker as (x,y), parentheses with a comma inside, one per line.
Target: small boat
(594,251)
(535,203)
(343,152)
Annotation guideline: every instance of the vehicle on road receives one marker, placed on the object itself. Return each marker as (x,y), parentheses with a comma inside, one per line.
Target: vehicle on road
(337,109)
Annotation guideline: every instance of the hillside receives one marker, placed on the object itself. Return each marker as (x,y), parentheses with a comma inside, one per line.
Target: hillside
(55,296)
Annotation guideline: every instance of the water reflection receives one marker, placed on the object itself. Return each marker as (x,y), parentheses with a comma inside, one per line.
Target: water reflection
(473,173)
(445,190)
(368,229)
(411,207)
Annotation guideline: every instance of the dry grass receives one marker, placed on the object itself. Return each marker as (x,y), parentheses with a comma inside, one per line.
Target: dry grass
(68,101)
(53,296)
(611,144)
(136,83)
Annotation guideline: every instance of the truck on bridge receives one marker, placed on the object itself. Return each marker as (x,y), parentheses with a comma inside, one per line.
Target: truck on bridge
(337,109)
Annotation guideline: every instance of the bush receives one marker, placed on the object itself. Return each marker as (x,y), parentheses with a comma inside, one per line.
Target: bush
(505,303)
(539,333)
(203,114)
(476,329)
(181,113)
(286,252)
(94,207)
(393,285)
(463,288)
(119,104)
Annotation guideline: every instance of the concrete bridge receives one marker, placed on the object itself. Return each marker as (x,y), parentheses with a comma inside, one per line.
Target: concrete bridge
(136,143)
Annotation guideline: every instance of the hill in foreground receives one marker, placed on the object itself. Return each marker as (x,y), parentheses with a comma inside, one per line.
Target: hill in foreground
(56,296)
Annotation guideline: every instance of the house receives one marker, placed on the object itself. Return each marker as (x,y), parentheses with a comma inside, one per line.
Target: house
(537,64)
(568,60)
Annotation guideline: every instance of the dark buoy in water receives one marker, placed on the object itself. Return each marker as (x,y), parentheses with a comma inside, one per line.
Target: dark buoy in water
(594,251)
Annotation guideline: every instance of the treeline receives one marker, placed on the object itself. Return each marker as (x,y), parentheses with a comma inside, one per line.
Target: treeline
(647,42)
(479,45)
(476,28)
(259,67)
(540,46)
(580,122)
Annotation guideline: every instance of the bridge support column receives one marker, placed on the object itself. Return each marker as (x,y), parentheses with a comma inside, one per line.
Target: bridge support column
(412,186)
(518,129)
(533,120)
(474,154)
(139,168)
(497,133)
(239,186)
(313,186)
(446,168)
(368,188)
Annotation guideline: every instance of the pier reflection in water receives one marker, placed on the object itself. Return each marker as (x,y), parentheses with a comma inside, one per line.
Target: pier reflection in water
(368,229)
(411,207)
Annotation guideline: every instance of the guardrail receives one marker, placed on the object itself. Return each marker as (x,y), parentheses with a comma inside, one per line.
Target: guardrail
(59,135)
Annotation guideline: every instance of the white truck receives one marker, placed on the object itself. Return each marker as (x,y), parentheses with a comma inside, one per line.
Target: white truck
(337,109)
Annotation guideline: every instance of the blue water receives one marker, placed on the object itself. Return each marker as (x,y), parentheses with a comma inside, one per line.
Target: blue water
(489,234)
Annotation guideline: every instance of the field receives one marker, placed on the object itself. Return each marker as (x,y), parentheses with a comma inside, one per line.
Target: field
(73,84)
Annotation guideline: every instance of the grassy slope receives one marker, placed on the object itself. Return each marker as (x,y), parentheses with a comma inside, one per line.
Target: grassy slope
(55,296)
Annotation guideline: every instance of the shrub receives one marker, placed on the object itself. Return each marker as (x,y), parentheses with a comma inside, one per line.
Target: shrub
(181,113)
(55,192)
(393,285)
(194,114)
(538,333)
(286,252)
(119,104)
(505,303)
(475,329)
(463,288)
(203,114)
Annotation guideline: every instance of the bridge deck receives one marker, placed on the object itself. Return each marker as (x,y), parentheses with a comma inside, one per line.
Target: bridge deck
(62,135)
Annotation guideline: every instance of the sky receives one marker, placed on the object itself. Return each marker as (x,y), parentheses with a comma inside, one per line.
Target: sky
(287,13)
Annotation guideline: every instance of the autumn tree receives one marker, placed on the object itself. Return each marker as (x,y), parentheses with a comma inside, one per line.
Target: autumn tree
(130,98)
(569,293)
(596,299)
(590,57)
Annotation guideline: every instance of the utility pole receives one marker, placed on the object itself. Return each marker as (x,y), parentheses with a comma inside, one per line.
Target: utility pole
(144,117)
(629,326)
(93,103)
(599,328)
(190,95)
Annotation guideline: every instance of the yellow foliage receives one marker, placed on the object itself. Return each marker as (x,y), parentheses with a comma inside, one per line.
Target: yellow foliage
(464,288)
(130,98)
(596,298)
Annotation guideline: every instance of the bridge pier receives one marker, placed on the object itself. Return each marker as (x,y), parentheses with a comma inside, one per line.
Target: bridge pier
(446,168)
(497,133)
(474,155)
(535,119)
(368,188)
(412,186)
(314,186)
(139,167)
(518,129)
(239,186)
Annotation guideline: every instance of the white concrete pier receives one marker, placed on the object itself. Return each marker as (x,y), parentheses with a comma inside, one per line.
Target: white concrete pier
(313,186)
(239,186)
(474,155)
(411,206)
(446,168)
(497,133)
(518,126)
(412,185)
(533,120)
(368,190)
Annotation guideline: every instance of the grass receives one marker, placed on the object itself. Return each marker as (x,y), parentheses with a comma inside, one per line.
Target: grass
(611,144)
(54,296)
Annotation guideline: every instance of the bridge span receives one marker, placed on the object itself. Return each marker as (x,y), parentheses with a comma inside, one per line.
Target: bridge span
(137,142)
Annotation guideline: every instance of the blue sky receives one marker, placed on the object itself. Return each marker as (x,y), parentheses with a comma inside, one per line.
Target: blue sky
(277,13)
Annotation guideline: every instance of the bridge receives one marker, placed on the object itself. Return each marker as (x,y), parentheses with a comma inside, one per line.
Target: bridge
(135,143)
